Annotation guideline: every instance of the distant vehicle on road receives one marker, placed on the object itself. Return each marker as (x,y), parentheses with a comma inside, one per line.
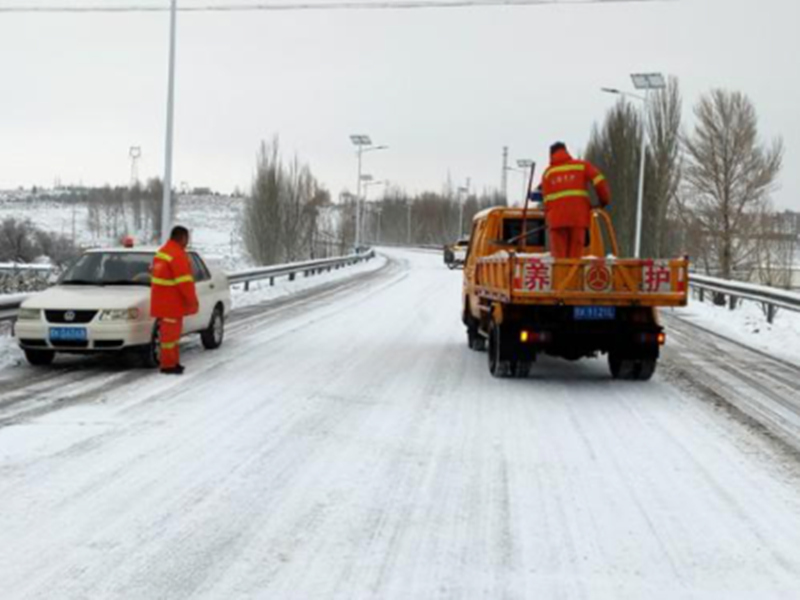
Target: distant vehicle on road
(456,254)
(102,304)
(523,302)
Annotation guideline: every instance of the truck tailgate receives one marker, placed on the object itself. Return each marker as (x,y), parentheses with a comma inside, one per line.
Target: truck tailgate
(539,279)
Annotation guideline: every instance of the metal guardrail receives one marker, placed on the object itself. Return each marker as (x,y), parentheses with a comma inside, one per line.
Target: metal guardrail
(9,305)
(732,292)
(18,268)
(308,267)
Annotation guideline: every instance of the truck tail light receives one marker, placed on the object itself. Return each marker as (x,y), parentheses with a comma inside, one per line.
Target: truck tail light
(527,336)
(653,338)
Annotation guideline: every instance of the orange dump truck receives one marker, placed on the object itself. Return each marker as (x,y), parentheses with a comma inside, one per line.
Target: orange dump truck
(520,302)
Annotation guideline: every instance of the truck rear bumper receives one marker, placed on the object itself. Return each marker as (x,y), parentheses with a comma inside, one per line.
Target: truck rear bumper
(553,331)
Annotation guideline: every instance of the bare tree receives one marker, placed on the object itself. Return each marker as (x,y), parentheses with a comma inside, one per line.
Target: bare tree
(18,241)
(729,173)
(614,147)
(262,213)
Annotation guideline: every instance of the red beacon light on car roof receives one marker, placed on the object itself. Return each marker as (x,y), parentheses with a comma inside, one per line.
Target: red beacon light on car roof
(128,241)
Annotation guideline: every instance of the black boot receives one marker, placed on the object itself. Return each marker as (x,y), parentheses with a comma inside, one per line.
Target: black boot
(177,370)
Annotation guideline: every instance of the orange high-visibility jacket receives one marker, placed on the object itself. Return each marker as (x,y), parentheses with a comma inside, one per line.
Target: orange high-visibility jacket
(565,187)
(173,293)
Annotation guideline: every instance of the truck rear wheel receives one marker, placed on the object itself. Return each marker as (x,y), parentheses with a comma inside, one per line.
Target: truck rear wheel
(521,369)
(475,340)
(497,366)
(631,369)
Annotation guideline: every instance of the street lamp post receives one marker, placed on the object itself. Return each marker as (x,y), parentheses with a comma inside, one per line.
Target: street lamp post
(166,202)
(524,170)
(525,164)
(368,182)
(646,82)
(364,144)
(408,221)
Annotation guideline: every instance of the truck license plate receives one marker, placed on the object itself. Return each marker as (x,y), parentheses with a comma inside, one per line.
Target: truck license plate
(594,313)
(68,334)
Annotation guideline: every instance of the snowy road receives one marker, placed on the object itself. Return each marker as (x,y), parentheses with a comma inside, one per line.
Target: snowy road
(348,445)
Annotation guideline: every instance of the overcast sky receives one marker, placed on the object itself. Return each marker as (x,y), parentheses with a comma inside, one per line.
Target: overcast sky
(445,88)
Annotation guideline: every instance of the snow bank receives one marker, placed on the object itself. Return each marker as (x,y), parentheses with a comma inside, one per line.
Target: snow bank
(748,325)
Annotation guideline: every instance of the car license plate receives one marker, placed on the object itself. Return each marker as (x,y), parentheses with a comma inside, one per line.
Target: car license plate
(594,313)
(68,334)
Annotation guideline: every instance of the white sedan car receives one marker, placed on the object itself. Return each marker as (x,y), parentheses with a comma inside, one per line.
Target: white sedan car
(102,304)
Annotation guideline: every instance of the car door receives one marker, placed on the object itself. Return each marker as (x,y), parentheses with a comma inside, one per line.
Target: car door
(205,295)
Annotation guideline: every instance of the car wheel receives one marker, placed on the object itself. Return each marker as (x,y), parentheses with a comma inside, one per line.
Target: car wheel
(40,358)
(150,355)
(213,336)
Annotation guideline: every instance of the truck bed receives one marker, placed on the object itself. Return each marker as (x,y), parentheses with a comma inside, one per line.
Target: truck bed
(513,278)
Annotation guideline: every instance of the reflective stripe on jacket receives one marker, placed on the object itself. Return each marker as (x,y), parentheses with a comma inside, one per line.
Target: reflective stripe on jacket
(565,186)
(172,288)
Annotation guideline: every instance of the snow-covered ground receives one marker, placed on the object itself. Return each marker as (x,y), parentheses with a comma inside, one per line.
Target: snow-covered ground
(348,445)
(748,325)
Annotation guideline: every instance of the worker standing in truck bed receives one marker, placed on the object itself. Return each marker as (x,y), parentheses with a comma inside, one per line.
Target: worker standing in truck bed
(565,186)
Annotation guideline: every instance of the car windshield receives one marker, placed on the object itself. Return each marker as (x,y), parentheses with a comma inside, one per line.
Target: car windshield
(110,268)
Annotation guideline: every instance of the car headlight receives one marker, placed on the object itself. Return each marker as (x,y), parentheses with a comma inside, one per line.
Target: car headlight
(29,314)
(123,314)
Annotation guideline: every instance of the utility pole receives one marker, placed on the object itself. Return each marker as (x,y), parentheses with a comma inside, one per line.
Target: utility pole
(358,200)
(504,176)
(408,222)
(364,144)
(166,203)
(462,199)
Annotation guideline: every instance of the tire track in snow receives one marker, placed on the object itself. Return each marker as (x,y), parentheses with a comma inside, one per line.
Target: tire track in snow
(38,392)
(763,388)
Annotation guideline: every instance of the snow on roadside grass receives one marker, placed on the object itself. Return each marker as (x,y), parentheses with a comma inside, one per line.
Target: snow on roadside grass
(748,325)
(261,291)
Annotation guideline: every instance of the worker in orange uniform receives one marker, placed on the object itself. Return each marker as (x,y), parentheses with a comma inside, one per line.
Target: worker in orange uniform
(567,205)
(172,297)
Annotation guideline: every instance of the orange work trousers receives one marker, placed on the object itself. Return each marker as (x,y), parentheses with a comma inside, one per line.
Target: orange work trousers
(567,242)
(170,334)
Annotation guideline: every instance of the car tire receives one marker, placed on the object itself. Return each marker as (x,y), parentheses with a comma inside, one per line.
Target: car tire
(40,358)
(150,355)
(213,336)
